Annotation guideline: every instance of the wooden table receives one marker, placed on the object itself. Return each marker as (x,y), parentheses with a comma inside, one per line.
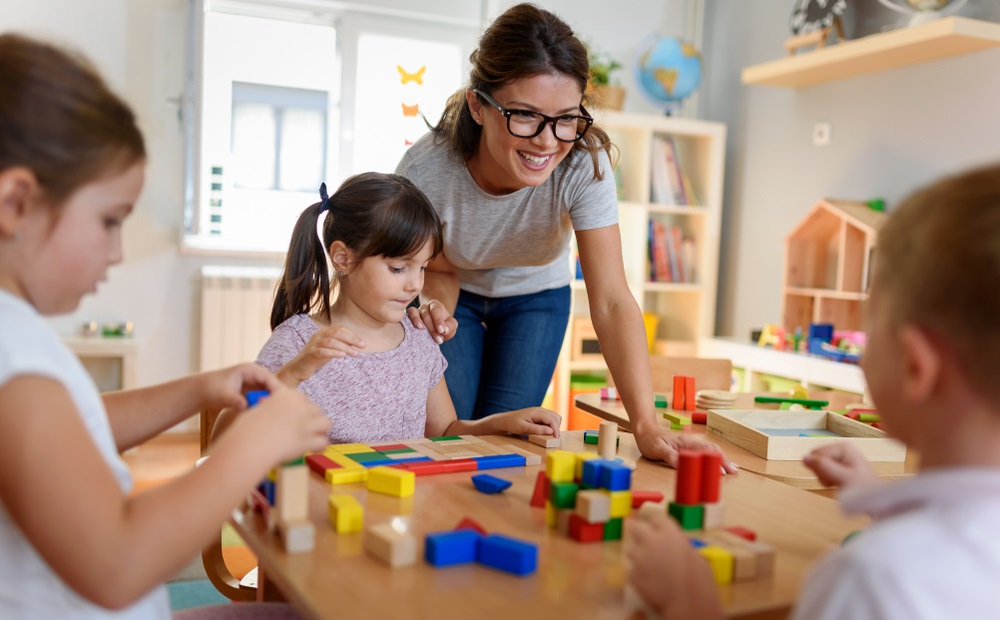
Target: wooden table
(338,580)
(789,472)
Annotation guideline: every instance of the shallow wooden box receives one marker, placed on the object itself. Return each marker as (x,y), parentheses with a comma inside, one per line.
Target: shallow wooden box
(748,429)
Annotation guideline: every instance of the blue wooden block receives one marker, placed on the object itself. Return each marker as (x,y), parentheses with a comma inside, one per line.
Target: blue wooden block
(451,548)
(253,397)
(486,483)
(267,490)
(591,475)
(698,543)
(615,477)
(497,461)
(388,462)
(508,554)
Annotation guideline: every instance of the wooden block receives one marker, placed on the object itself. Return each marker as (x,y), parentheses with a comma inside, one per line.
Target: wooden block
(297,536)
(292,493)
(679,393)
(609,393)
(560,465)
(763,552)
(744,559)
(551,514)
(346,476)
(347,448)
(530,458)
(593,506)
(742,532)
(319,463)
(607,440)
(346,514)
(391,481)
(711,476)
(471,524)
(689,394)
(541,492)
(581,458)
(721,561)
(648,509)
(430,468)
(713,516)
(689,470)
(562,520)
(676,418)
(390,545)
(581,531)
(621,503)
(641,497)
(546,441)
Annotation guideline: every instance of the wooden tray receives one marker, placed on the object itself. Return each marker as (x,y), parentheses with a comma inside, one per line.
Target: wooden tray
(771,434)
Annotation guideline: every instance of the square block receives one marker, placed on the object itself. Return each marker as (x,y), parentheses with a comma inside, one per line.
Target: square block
(721,562)
(391,481)
(613,529)
(688,517)
(621,503)
(560,465)
(395,548)
(581,458)
(346,514)
(563,494)
(451,548)
(593,506)
(615,477)
(581,531)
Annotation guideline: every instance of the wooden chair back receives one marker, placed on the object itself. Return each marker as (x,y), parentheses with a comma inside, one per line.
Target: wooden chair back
(211,556)
(708,373)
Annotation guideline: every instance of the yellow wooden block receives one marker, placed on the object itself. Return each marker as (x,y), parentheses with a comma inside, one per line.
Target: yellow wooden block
(551,514)
(346,514)
(346,476)
(391,481)
(581,458)
(345,461)
(621,503)
(347,448)
(721,562)
(560,465)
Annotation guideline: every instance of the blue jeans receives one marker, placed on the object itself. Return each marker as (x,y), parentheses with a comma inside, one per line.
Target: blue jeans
(505,350)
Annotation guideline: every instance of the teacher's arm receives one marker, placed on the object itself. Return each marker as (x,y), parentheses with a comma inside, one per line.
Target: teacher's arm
(622,334)
(438,299)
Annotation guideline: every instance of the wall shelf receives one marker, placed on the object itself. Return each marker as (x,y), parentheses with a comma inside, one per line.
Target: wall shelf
(950,36)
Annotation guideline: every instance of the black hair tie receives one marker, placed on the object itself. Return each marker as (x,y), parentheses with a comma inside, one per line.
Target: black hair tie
(326,199)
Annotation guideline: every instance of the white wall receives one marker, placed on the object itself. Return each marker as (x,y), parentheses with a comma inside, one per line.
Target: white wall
(892,132)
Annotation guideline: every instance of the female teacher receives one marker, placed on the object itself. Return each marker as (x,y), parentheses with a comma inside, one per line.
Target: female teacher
(514,167)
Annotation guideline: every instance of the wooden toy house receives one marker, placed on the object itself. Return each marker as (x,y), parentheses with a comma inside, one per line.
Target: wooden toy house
(828,262)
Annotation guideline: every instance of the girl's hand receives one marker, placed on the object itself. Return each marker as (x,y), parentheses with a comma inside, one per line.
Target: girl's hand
(287,422)
(840,465)
(666,572)
(335,341)
(433,316)
(659,445)
(530,421)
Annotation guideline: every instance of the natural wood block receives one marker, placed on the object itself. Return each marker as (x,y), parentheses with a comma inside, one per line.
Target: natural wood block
(391,546)
(297,536)
(546,441)
(607,440)
(713,516)
(292,493)
(593,506)
(771,434)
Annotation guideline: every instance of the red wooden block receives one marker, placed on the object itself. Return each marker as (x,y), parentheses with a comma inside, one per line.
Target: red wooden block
(679,393)
(389,446)
(543,487)
(641,497)
(581,531)
(877,425)
(469,524)
(430,468)
(689,394)
(854,414)
(699,417)
(689,477)
(742,532)
(320,463)
(711,476)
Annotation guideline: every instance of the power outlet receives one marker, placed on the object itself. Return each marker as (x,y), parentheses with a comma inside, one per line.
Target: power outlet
(821,133)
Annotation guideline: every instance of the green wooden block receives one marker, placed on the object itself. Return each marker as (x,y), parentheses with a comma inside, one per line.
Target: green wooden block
(364,457)
(869,417)
(660,401)
(688,517)
(590,437)
(805,402)
(398,451)
(448,438)
(613,529)
(563,494)
(302,460)
(676,418)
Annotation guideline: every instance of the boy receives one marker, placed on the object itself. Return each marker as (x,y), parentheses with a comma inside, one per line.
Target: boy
(933,349)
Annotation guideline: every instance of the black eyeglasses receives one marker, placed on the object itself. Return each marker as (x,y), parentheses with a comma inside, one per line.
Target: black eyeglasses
(528,124)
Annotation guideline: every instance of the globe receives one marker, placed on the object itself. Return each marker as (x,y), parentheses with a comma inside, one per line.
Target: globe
(668,70)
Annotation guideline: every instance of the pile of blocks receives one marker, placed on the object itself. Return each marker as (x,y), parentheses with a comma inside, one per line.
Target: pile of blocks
(466,545)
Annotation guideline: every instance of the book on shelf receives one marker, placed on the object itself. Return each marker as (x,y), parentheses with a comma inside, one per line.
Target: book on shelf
(672,255)
(674,171)
(662,190)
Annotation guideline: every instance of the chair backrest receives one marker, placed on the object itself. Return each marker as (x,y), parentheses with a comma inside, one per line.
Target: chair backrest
(211,556)
(708,373)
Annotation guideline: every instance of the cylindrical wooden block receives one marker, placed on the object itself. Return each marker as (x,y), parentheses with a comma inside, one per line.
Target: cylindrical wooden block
(607,440)
(711,476)
(689,477)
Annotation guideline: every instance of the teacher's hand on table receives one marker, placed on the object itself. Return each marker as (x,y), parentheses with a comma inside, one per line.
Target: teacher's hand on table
(657,444)
(433,316)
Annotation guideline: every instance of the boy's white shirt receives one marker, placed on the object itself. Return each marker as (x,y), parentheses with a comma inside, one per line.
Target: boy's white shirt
(931,552)
(28,587)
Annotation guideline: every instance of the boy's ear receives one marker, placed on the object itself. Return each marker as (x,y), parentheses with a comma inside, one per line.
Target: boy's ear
(16,187)
(922,364)
(341,257)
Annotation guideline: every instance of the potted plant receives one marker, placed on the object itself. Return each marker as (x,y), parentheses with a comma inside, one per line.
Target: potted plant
(602,67)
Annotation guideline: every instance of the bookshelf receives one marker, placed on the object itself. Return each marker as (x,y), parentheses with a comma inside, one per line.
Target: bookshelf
(941,38)
(684,307)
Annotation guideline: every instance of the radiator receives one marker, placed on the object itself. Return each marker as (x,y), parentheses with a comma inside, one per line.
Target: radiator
(235,313)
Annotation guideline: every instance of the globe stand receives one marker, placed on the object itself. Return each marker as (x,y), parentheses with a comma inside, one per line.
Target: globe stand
(917,16)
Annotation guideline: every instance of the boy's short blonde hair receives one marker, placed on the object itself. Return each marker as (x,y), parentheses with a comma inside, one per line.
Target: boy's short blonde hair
(938,266)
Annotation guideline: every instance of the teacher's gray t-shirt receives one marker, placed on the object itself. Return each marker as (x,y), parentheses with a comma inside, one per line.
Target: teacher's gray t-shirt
(515,244)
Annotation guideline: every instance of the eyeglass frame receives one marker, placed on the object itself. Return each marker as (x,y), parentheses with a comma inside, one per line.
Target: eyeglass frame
(546,119)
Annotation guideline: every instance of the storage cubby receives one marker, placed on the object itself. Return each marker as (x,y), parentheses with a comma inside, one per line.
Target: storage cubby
(827,263)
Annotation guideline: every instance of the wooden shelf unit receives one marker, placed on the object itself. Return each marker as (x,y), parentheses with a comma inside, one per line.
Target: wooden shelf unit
(827,265)
(949,36)
(685,310)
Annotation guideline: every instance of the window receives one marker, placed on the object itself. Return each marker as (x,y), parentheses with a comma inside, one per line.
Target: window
(269,122)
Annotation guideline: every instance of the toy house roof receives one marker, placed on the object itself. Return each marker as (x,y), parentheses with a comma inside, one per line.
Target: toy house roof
(857,214)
